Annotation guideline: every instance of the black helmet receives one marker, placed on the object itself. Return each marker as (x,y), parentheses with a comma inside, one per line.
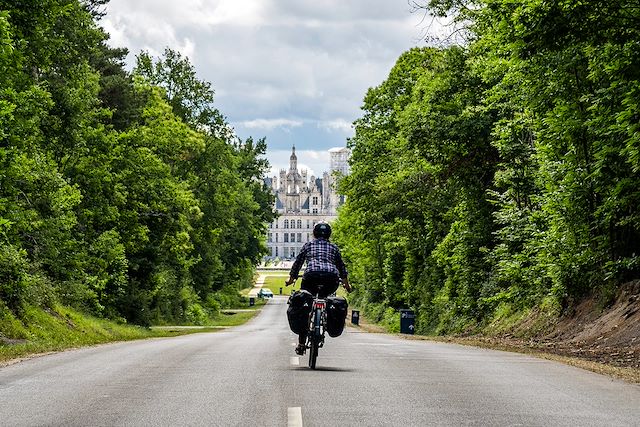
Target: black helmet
(322,230)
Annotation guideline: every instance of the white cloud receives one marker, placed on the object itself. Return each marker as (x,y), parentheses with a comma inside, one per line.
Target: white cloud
(196,14)
(297,66)
(270,124)
(337,125)
(242,13)
(139,31)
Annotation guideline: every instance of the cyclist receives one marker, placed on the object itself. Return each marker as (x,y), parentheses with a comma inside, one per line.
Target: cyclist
(324,270)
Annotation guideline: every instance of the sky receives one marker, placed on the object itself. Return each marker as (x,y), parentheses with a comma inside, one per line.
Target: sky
(293,71)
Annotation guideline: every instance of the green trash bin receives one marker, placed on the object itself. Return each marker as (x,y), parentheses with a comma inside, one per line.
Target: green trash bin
(252,301)
(355,317)
(407,321)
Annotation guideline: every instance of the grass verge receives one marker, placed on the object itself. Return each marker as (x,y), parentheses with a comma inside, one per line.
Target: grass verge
(60,328)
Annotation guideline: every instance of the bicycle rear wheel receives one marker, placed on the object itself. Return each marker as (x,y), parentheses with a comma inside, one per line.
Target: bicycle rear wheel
(314,338)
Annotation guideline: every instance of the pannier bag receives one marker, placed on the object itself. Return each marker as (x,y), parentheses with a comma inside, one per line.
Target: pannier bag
(300,304)
(336,315)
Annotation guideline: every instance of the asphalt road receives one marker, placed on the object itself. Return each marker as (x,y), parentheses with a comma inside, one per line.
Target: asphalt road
(250,376)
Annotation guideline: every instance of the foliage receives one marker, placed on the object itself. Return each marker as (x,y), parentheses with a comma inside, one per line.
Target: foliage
(500,176)
(123,194)
(57,328)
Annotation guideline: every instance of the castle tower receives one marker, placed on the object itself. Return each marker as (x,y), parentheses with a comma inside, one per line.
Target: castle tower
(293,160)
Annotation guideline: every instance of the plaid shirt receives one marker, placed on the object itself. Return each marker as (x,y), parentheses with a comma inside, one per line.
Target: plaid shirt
(321,255)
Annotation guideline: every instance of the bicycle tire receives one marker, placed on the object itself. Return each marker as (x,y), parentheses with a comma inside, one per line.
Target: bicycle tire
(314,337)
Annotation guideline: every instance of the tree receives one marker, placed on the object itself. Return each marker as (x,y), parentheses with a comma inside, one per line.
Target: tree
(190,98)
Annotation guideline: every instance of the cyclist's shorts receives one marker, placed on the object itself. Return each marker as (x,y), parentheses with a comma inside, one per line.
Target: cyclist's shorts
(323,283)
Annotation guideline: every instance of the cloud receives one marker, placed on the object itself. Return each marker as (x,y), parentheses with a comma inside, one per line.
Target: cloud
(340,125)
(299,56)
(138,31)
(295,71)
(194,14)
(270,124)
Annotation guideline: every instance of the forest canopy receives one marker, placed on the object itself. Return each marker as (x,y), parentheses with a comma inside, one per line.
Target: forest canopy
(123,193)
(500,175)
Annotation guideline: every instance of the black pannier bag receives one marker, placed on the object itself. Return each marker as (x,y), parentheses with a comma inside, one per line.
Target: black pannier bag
(336,315)
(300,304)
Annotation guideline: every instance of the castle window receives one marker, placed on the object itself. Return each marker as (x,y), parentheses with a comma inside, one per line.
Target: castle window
(299,223)
(270,237)
(315,200)
(315,210)
(286,223)
(308,224)
(276,237)
(293,237)
(299,237)
(286,237)
(276,248)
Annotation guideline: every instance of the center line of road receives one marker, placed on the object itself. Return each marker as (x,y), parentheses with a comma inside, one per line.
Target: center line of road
(295,361)
(295,417)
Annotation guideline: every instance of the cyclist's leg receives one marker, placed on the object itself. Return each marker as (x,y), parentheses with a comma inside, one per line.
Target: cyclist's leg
(310,283)
(330,282)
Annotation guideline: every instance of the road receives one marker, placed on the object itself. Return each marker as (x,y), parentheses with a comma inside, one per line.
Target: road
(249,376)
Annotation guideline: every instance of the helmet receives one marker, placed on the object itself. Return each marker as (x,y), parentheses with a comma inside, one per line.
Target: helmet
(322,230)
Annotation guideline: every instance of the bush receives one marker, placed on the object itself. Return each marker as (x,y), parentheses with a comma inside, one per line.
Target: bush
(196,315)
(13,274)
(10,326)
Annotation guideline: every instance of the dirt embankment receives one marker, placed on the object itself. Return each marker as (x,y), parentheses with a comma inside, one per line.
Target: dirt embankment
(605,340)
(610,336)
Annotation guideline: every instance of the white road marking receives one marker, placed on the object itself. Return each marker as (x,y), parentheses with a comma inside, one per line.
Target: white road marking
(295,417)
(295,361)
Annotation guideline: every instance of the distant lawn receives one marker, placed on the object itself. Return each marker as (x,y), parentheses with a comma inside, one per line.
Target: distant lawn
(275,282)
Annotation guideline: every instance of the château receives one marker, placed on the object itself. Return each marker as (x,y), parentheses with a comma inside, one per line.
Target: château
(302,202)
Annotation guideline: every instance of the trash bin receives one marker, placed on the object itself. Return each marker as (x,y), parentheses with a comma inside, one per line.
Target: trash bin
(407,321)
(252,301)
(355,317)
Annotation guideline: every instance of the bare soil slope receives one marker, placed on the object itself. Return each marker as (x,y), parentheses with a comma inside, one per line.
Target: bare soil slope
(610,336)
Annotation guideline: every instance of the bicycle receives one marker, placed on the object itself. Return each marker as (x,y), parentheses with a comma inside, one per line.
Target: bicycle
(317,323)
(317,326)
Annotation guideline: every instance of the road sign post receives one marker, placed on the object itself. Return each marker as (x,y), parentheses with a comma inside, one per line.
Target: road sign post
(407,321)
